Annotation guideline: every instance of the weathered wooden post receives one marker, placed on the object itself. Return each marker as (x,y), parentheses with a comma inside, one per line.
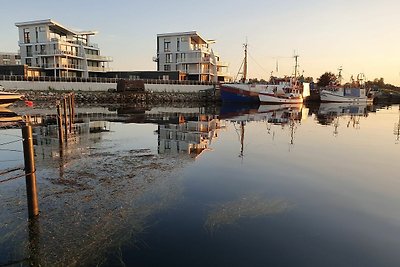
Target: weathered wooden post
(73,107)
(60,122)
(65,119)
(30,171)
(70,112)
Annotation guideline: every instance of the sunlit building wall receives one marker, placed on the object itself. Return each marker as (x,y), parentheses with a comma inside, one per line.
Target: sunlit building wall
(60,51)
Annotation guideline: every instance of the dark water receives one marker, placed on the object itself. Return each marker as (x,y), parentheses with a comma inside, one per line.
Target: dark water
(261,186)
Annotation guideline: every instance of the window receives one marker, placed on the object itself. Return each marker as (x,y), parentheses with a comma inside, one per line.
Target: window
(167,67)
(29,51)
(168,58)
(178,44)
(27,38)
(167,45)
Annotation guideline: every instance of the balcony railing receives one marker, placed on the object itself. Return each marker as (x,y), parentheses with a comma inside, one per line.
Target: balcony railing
(99,58)
(98,69)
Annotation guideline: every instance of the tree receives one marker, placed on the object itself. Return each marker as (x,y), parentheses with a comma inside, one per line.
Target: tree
(326,79)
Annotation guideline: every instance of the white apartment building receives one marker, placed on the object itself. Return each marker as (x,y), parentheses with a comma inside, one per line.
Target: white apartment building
(10,58)
(59,51)
(191,54)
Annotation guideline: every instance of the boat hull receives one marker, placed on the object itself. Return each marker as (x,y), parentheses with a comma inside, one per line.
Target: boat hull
(327,97)
(272,99)
(238,93)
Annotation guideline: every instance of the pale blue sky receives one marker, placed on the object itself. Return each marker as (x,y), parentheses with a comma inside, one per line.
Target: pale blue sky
(361,36)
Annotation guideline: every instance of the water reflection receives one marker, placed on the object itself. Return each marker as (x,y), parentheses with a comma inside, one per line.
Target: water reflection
(397,129)
(282,116)
(246,207)
(101,192)
(9,118)
(189,134)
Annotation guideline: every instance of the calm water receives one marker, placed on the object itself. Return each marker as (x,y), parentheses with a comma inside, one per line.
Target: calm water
(257,186)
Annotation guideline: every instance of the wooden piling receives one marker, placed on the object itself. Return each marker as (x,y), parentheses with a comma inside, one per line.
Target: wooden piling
(30,171)
(65,119)
(70,112)
(60,124)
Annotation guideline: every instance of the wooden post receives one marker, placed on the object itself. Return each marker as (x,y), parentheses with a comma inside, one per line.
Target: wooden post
(73,107)
(60,124)
(70,112)
(65,119)
(30,171)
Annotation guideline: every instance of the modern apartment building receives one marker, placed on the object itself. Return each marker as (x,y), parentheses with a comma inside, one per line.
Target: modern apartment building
(10,58)
(60,51)
(190,53)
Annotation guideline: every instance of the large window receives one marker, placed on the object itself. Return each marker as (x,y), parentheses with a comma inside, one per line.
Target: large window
(167,45)
(178,44)
(27,38)
(168,58)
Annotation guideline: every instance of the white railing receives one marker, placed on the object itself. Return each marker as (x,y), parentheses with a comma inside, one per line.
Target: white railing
(98,57)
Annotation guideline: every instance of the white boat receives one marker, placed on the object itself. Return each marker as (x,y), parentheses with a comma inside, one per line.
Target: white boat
(7,98)
(352,92)
(290,91)
(343,94)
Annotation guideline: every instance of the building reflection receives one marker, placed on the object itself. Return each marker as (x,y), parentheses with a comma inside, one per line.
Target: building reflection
(191,135)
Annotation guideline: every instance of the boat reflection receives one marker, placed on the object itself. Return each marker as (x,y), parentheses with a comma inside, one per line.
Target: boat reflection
(330,114)
(9,118)
(282,116)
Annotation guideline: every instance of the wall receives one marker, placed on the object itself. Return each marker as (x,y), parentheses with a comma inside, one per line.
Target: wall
(176,88)
(83,86)
(68,86)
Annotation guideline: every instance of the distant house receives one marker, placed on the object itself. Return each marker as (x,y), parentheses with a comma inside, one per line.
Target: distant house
(10,58)
(191,54)
(60,51)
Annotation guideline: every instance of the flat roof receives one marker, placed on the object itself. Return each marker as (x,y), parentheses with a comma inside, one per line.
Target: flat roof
(54,26)
(190,33)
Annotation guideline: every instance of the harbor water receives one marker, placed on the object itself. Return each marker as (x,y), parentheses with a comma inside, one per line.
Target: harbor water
(210,186)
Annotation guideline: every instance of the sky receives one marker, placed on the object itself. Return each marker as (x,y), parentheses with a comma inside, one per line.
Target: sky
(360,36)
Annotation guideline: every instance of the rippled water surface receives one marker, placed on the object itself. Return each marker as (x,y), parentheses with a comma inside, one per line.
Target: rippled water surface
(229,186)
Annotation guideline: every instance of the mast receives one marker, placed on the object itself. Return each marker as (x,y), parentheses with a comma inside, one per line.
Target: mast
(245,63)
(296,66)
(340,75)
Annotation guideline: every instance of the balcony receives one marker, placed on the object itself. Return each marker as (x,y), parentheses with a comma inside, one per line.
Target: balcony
(98,69)
(99,58)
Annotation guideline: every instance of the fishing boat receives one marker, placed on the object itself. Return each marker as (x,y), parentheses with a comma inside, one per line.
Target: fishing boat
(241,92)
(353,92)
(286,91)
(7,98)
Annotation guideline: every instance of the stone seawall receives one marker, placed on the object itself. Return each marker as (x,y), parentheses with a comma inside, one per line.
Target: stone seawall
(123,98)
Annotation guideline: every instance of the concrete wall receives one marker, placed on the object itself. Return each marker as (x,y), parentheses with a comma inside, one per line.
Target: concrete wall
(176,88)
(68,86)
(83,86)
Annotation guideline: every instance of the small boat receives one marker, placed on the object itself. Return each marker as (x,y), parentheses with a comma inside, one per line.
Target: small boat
(289,91)
(7,98)
(352,92)
(241,92)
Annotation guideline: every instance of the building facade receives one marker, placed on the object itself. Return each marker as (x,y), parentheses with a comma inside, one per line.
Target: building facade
(190,53)
(59,51)
(10,58)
